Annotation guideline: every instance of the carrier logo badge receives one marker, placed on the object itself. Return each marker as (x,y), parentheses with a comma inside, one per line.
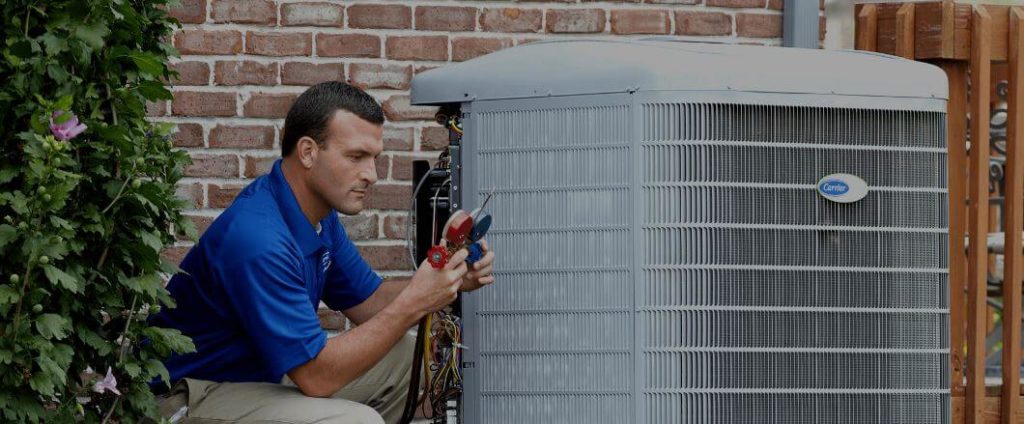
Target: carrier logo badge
(842,188)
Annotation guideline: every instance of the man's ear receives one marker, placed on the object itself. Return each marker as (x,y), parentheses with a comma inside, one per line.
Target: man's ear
(307,150)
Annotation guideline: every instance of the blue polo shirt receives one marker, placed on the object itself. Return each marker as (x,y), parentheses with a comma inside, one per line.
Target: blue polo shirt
(253,283)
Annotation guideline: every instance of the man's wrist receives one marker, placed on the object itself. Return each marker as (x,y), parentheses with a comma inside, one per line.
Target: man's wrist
(400,311)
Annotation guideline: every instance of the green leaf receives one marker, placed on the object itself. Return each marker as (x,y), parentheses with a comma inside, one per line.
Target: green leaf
(157,368)
(6,356)
(147,63)
(153,90)
(132,369)
(52,326)
(61,278)
(42,383)
(53,44)
(93,340)
(151,240)
(9,295)
(147,284)
(92,34)
(7,234)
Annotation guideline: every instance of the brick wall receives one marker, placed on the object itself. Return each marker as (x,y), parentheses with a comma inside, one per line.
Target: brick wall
(243,62)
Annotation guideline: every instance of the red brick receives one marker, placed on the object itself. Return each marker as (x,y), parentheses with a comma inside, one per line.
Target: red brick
(821,28)
(445,18)
(332,320)
(397,108)
(278,44)
(575,20)
(265,105)
(190,73)
(379,16)
(347,45)
(175,254)
(469,47)
(258,165)
(191,193)
(360,227)
(188,135)
(386,258)
(511,20)
(235,72)
(189,11)
(434,47)
(775,4)
(207,165)
(382,163)
(369,75)
(302,73)
(389,196)
(242,136)
(157,108)
(401,168)
(199,41)
(397,138)
(758,25)
(675,1)
(312,14)
(433,138)
(394,227)
(221,196)
(193,103)
(703,23)
(736,3)
(641,22)
(261,12)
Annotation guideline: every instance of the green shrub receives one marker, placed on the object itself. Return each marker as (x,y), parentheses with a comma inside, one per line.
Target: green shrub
(84,219)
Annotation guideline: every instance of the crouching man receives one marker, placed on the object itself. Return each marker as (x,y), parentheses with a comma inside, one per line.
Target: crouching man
(253,282)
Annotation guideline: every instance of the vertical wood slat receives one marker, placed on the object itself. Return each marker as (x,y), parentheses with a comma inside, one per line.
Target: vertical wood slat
(1013,218)
(905,31)
(948,34)
(867,28)
(977,263)
(956,137)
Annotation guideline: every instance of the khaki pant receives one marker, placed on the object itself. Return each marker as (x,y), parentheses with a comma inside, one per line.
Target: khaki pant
(376,397)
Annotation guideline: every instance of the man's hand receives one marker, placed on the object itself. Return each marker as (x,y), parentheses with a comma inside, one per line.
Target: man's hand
(432,289)
(479,274)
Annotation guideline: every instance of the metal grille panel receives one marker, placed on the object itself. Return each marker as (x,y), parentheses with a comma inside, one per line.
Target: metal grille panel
(763,302)
(673,263)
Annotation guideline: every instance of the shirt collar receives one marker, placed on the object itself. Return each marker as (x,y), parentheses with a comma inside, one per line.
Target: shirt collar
(304,232)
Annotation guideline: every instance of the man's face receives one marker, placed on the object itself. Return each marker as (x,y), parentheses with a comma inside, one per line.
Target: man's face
(345,166)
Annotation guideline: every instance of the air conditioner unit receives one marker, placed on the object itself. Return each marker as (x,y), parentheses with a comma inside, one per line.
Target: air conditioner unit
(698,233)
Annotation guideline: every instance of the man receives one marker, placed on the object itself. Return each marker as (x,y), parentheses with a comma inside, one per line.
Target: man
(254,281)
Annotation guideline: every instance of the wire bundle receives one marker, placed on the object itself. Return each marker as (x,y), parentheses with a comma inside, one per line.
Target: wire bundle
(443,376)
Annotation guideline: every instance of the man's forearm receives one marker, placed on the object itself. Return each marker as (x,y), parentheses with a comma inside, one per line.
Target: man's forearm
(380,299)
(349,355)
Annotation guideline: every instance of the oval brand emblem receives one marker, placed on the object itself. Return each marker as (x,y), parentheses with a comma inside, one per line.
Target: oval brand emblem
(842,188)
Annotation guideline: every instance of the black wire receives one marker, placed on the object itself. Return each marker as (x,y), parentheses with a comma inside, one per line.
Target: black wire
(414,382)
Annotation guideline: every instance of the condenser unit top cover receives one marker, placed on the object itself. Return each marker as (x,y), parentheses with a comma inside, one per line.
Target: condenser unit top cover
(580,67)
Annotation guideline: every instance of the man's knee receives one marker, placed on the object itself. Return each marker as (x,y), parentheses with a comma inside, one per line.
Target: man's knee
(355,413)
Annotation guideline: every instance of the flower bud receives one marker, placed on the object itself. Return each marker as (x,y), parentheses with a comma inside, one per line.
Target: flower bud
(37,308)
(47,197)
(41,189)
(23,225)
(136,183)
(44,259)
(14,278)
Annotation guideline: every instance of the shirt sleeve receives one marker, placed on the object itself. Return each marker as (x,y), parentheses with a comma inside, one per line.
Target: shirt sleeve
(269,297)
(350,280)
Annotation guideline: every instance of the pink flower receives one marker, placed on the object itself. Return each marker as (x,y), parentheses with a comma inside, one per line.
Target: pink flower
(68,129)
(107,383)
